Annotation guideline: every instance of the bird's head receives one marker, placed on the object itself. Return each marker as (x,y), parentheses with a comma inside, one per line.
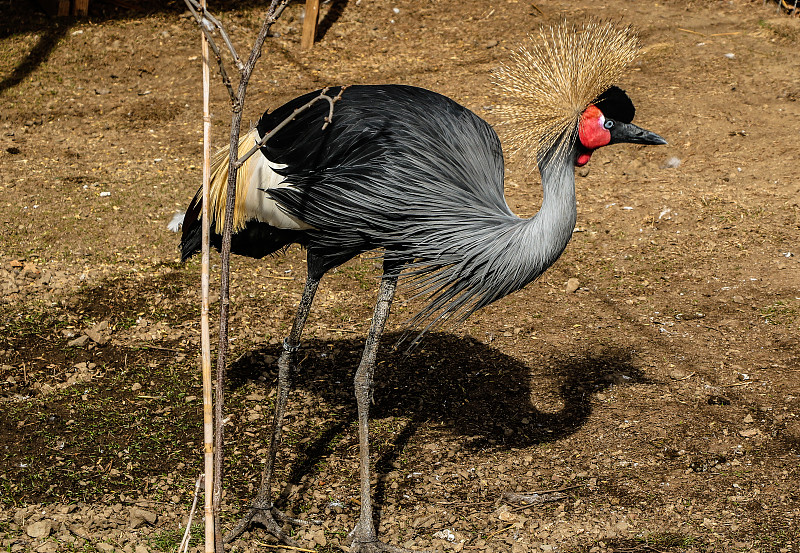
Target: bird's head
(608,121)
(560,93)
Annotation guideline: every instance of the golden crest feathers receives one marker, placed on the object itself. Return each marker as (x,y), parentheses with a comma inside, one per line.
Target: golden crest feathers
(554,76)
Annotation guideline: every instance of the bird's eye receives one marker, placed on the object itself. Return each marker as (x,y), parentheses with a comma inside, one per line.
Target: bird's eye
(608,124)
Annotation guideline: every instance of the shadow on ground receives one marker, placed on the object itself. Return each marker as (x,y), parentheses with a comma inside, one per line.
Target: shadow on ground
(469,388)
(21,18)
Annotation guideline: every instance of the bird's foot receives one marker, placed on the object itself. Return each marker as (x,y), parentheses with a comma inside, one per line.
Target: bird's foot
(272,519)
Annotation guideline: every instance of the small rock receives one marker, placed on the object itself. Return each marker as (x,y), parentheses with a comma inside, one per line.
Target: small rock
(792,432)
(677,374)
(749,433)
(105,547)
(78,342)
(672,163)
(40,529)
(491,44)
(20,515)
(445,534)
(572,285)
(102,91)
(49,546)
(319,538)
(718,400)
(141,549)
(136,387)
(748,419)
(583,171)
(96,337)
(140,517)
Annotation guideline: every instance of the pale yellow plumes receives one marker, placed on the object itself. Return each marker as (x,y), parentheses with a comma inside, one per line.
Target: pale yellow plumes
(554,76)
(218,187)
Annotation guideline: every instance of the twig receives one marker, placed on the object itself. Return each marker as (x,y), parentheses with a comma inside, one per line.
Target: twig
(275,10)
(206,15)
(545,492)
(493,534)
(464,503)
(148,346)
(322,96)
(690,31)
(193,7)
(262,544)
(184,546)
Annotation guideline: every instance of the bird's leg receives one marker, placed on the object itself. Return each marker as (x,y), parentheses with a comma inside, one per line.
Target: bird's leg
(364,537)
(262,510)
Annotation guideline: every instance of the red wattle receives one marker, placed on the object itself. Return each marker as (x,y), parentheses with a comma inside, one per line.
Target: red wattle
(583,159)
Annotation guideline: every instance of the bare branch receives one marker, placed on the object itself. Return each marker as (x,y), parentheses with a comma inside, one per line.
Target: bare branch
(208,16)
(275,10)
(327,121)
(210,39)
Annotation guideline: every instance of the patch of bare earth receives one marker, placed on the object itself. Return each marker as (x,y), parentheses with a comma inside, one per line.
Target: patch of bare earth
(642,396)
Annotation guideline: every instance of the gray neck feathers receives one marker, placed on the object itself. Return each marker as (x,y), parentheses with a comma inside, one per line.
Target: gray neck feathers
(503,253)
(551,228)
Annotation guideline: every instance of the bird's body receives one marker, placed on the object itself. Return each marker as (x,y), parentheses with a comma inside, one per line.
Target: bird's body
(414,174)
(403,169)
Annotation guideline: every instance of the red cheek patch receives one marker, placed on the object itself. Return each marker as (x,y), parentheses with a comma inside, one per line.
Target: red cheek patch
(591,132)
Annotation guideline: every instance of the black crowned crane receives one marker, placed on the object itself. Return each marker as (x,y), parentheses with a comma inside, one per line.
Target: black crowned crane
(420,177)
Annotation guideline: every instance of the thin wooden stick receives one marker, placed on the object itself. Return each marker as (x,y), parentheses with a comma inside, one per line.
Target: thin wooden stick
(493,534)
(205,334)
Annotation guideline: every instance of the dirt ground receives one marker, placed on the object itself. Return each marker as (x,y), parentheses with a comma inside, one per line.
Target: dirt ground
(660,398)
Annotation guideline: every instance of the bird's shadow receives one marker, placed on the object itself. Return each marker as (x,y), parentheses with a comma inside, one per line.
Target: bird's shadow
(471,389)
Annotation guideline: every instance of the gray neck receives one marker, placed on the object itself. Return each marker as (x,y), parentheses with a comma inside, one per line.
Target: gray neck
(551,228)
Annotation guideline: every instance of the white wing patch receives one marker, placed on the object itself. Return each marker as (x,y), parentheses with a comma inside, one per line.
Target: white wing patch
(259,205)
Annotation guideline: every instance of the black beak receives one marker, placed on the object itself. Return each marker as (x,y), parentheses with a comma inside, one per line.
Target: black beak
(628,132)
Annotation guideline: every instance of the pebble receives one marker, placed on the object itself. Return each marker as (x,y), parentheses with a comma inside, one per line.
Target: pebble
(140,517)
(792,432)
(78,342)
(40,529)
(677,374)
(572,285)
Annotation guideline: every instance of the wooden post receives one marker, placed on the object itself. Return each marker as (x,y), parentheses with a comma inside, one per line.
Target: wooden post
(81,8)
(310,24)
